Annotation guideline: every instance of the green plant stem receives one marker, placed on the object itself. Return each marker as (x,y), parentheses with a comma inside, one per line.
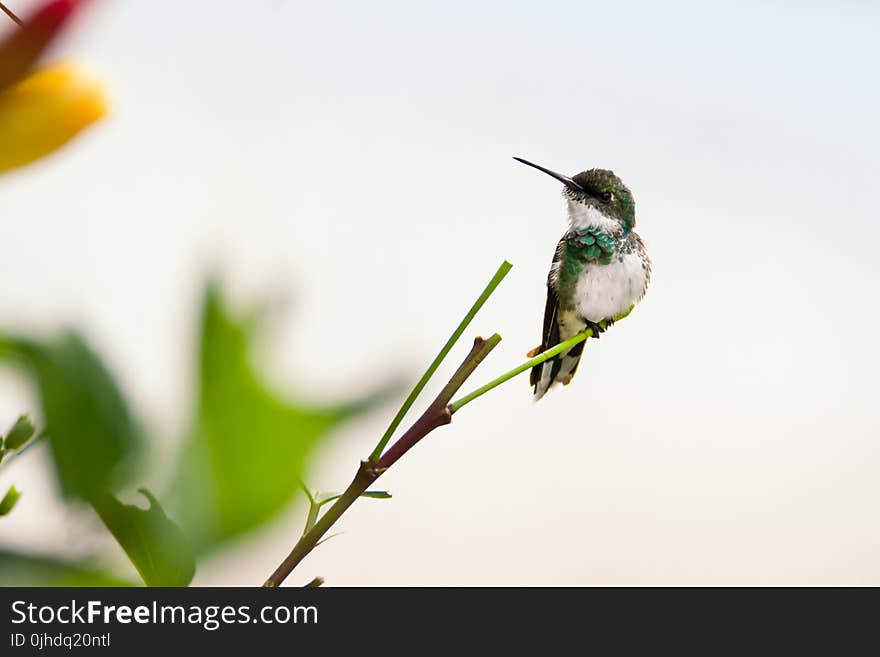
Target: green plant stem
(408,402)
(363,478)
(305,489)
(314,508)
(529,364)
(436,415)
(312,516)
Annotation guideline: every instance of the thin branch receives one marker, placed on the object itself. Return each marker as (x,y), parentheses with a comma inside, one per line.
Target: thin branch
(408,402)
(316,502)
(436,415)
(529,364)
(8,12)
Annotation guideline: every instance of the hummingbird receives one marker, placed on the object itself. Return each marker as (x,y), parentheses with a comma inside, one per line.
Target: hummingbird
(600,269)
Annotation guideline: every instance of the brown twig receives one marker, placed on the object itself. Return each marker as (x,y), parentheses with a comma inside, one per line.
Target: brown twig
(436,415)
(8,12)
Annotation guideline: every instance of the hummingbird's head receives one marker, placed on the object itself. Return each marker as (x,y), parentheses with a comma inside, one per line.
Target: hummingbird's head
(595,197)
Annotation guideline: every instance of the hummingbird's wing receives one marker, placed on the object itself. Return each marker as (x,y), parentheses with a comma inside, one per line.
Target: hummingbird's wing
(550,334)
(562,367)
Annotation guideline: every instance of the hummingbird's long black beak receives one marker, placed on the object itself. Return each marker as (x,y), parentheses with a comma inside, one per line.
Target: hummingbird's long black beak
(565,180)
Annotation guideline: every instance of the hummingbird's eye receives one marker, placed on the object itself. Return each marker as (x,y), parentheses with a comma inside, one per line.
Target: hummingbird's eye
(606,197)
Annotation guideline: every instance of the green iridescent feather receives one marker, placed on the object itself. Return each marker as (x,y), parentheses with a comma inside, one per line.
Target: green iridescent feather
(588,244)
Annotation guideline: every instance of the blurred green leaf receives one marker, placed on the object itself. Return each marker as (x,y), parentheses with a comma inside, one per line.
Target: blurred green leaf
(91,430)
(94,438)
(155,545)
(21,432)
(245,458)
(9,500)
(24,570)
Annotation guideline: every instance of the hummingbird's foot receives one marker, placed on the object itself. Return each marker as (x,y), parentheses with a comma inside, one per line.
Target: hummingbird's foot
(596,328)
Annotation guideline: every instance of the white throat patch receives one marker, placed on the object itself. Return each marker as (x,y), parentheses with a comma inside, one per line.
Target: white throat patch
(584,216)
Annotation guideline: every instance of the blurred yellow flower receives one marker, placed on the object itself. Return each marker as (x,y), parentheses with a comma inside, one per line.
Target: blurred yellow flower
(41,110)
(45,110)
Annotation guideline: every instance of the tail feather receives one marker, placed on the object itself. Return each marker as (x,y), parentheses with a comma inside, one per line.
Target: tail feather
(574,356)
(559,369)
(562,367)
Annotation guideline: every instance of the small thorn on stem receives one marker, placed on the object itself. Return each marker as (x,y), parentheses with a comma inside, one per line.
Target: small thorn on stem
(315,583)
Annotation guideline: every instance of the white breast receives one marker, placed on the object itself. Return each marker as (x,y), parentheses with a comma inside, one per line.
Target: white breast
(604,291)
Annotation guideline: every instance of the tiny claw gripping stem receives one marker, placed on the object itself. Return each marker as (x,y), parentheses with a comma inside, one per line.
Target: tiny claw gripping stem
(596,328)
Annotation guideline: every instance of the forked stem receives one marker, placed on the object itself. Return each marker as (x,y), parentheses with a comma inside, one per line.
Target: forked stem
(436,415)
(456,334)
(529,364)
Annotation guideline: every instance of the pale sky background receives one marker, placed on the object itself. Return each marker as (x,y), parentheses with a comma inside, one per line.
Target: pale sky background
(356,156)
